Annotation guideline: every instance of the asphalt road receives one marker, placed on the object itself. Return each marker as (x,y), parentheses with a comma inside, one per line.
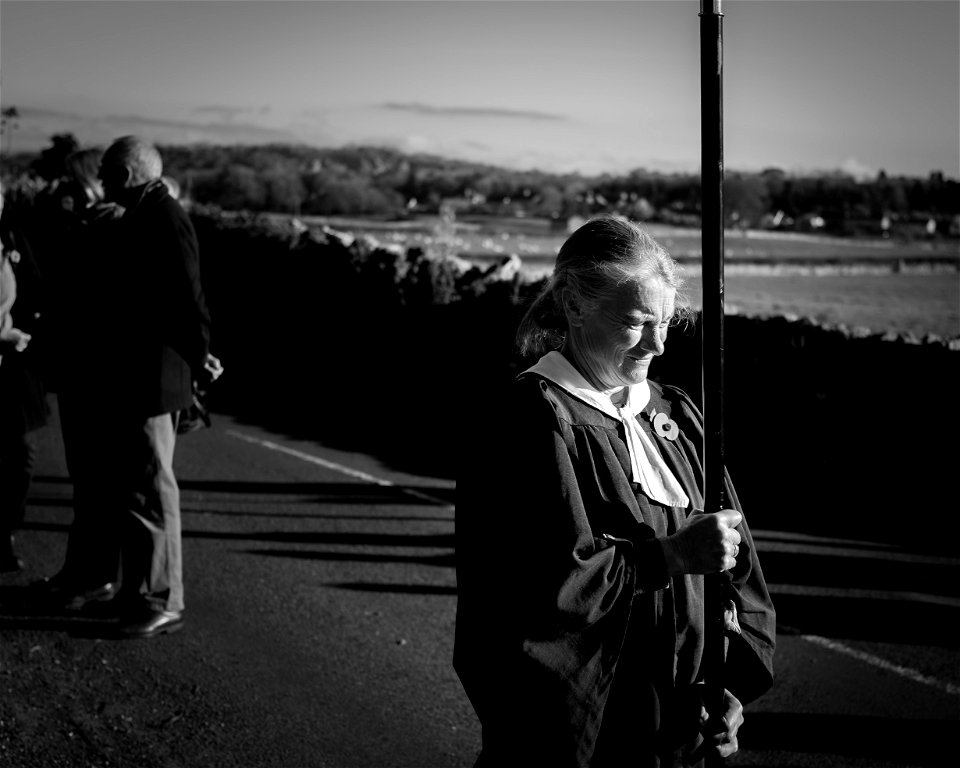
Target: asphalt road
(321,598)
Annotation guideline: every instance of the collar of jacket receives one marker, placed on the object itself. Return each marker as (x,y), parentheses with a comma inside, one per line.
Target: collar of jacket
(647,465)
(151,193)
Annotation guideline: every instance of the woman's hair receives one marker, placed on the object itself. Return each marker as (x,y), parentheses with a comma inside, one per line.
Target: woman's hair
(172,185)
(83,167)
(594,261)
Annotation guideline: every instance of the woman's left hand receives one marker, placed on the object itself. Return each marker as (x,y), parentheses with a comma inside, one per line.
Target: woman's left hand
(720,733)
(15,338)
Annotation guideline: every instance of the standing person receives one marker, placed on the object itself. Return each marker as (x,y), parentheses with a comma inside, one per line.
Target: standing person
(70,223)
(160,346)
(581,541)
(23,404)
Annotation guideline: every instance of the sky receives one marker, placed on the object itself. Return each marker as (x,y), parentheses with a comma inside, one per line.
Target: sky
(578,85)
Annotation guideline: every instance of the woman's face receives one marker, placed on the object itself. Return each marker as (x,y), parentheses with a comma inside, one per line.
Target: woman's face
(613,345)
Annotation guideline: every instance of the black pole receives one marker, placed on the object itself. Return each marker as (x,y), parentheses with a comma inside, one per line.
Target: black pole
(711,322)
(711,180)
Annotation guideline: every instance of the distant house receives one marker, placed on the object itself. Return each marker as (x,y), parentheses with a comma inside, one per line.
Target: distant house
(811,222)
(778,220)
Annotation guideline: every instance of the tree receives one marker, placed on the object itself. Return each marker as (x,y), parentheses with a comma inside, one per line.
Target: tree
(284,190)
(52,162)
(9,122)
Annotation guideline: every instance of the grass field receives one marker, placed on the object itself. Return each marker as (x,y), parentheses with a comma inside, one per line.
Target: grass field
(832,280)
(918,304)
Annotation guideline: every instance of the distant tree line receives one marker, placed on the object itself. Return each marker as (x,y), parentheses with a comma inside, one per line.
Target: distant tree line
(378,181)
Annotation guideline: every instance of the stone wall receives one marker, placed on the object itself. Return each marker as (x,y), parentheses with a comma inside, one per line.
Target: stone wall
(375,349)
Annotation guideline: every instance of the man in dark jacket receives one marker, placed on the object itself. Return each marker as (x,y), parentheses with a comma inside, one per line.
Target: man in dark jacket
(166,339)
(158,346)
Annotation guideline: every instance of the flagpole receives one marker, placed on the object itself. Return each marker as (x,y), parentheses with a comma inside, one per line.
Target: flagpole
(711,170)
(712,350)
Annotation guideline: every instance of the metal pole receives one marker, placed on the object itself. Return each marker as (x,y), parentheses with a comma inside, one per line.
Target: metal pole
(711,180)
(711,170)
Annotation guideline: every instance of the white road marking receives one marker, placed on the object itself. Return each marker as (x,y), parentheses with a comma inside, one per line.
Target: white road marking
(876,661)
(367,478)
(833,645)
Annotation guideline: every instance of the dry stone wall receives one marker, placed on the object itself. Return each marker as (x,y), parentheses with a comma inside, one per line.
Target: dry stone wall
(365,347)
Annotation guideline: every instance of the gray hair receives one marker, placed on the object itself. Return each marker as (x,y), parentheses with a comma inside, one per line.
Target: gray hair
(594,261)
(140,157)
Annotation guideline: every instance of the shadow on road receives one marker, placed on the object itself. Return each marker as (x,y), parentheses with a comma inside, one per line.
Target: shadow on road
(893,741)
(356,493)
(443,560)
(829,587)
(885,597)
(880,570)
(404,589)
(878,620)
(21,609)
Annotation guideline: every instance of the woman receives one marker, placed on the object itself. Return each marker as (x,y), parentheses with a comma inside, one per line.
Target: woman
(582,543)
(23,404)
(72,226)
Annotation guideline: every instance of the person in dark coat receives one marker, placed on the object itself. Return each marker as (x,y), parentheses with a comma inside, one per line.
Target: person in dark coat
(159,331)
(582,543)
(68,226)
(23,404)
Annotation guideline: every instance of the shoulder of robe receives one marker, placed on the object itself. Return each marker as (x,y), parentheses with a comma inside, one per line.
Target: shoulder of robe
(562,405)
(536,397)
(675,399)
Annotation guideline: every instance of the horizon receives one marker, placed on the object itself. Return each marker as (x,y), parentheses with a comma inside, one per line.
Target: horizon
(811,87)
(807,173)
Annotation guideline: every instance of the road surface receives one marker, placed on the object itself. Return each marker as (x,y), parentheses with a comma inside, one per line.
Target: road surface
(321,599)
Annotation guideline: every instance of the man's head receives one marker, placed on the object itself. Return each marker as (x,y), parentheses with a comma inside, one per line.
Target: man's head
(128,164)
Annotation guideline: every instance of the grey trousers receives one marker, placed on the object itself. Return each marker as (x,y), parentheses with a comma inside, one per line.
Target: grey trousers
(151,548)
(126,524)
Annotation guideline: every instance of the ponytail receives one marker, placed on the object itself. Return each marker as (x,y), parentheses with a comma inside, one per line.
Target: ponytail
(544,325)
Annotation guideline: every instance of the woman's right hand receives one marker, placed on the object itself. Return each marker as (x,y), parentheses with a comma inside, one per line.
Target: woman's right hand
(706,544)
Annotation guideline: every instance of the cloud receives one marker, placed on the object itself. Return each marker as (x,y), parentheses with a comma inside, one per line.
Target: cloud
(859,171)
(38,125)
(496,112)
(229,114)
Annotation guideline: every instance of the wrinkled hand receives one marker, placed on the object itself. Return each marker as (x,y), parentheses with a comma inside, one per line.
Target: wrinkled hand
(720,733)
(212,367)
(706,544)
(104,211)
(14,337)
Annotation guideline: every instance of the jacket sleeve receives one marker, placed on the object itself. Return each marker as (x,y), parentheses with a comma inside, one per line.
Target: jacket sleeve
(189,330)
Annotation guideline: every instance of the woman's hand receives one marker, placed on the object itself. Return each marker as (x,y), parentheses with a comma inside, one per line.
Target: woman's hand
(15,338)
(706,544)
(720,733)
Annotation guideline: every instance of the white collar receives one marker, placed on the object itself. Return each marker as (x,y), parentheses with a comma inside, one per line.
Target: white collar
(647,465)
(555,367)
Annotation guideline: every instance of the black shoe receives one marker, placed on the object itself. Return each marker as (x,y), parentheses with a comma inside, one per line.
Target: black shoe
(151,623)
(100,594)
(9,562)
(63,593)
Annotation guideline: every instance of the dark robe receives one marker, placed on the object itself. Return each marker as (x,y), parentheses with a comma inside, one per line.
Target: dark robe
(573,645)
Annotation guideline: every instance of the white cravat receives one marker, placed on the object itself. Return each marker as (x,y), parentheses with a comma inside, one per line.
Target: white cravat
(647,466)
